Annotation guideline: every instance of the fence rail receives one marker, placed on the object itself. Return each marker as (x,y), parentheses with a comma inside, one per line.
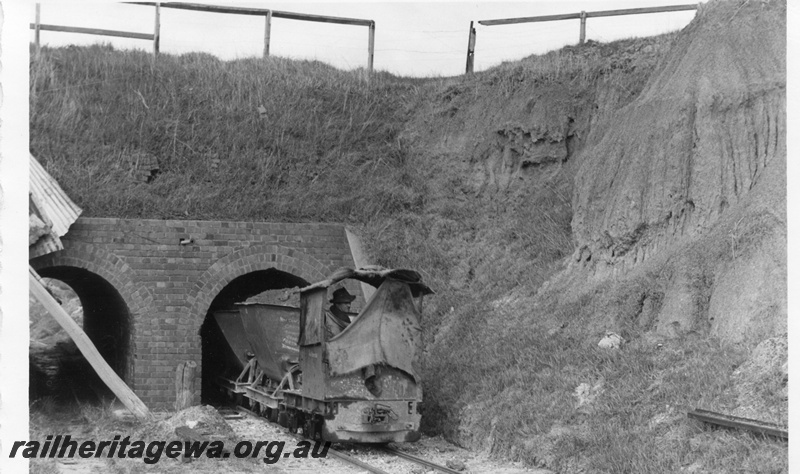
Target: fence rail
(93,31)
(260,12)
(266,13)
(155,37)
(568,16)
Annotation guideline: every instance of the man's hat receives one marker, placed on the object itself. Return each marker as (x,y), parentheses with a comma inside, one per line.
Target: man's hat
(342,296)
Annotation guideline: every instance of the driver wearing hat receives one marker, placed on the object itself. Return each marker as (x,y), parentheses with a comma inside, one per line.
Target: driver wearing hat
(338,316)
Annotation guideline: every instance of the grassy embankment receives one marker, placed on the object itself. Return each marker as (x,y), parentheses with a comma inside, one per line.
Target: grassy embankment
(299,141)
(521,358)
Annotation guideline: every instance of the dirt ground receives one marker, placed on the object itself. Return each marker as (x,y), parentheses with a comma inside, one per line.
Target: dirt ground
(99,423)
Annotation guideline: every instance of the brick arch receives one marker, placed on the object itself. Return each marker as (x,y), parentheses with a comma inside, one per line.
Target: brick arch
(248,260)
(105,264)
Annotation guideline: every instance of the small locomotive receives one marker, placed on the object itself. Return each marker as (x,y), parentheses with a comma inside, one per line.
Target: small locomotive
(361,385)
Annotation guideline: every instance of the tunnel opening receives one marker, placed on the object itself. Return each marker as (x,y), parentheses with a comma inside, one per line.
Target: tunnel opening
(58,370)
(218,359)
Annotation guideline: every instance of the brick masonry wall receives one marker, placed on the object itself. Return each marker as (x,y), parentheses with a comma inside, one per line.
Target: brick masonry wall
(168,287)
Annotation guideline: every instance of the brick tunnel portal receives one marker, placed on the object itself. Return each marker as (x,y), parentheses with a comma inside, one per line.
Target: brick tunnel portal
(107,322)
(214,346)
(148,285)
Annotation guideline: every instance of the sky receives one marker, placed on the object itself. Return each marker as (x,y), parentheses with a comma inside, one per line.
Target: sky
(419,39)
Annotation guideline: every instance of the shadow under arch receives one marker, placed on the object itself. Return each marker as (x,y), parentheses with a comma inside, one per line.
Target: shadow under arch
(106,321)
(104,279)
(216,353)
(235,278)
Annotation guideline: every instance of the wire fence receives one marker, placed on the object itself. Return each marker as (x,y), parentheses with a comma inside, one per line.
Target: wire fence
(582,16)
(155,37)
(412,52)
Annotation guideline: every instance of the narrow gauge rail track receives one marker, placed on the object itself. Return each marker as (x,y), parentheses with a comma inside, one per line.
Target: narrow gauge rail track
(355,462)
(420,461)
(336,453)
(730,421)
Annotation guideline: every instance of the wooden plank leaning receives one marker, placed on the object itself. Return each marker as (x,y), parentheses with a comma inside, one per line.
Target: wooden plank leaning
(106,373)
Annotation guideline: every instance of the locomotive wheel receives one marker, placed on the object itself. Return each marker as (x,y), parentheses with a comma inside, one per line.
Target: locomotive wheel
(311,428)
(294,422)
(283,418)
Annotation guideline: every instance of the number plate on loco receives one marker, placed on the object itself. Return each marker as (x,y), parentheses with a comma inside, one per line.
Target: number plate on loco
(378,414)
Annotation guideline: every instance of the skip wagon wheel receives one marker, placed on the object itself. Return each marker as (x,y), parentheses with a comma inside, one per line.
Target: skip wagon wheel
(310,428)
(294,422)
(313,428)
(283,418)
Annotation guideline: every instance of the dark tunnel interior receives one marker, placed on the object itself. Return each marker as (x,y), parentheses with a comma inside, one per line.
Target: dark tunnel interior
(215,350)
(106,321)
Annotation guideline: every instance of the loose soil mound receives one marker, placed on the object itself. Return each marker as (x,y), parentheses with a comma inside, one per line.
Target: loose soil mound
(203,418)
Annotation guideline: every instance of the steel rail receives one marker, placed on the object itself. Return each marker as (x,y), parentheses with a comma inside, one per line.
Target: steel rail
(420,461)
(730,421)
(336,453)
(351,460)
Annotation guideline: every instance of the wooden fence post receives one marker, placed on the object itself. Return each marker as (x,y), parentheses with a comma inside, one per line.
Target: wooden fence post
(157,31)
(184,384)
(267,32)
(37,29)
(471,49)
(583,27)
(371,54)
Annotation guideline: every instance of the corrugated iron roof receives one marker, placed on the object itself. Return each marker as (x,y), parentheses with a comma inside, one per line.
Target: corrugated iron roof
(46,244)
(55,203)
(52,206)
